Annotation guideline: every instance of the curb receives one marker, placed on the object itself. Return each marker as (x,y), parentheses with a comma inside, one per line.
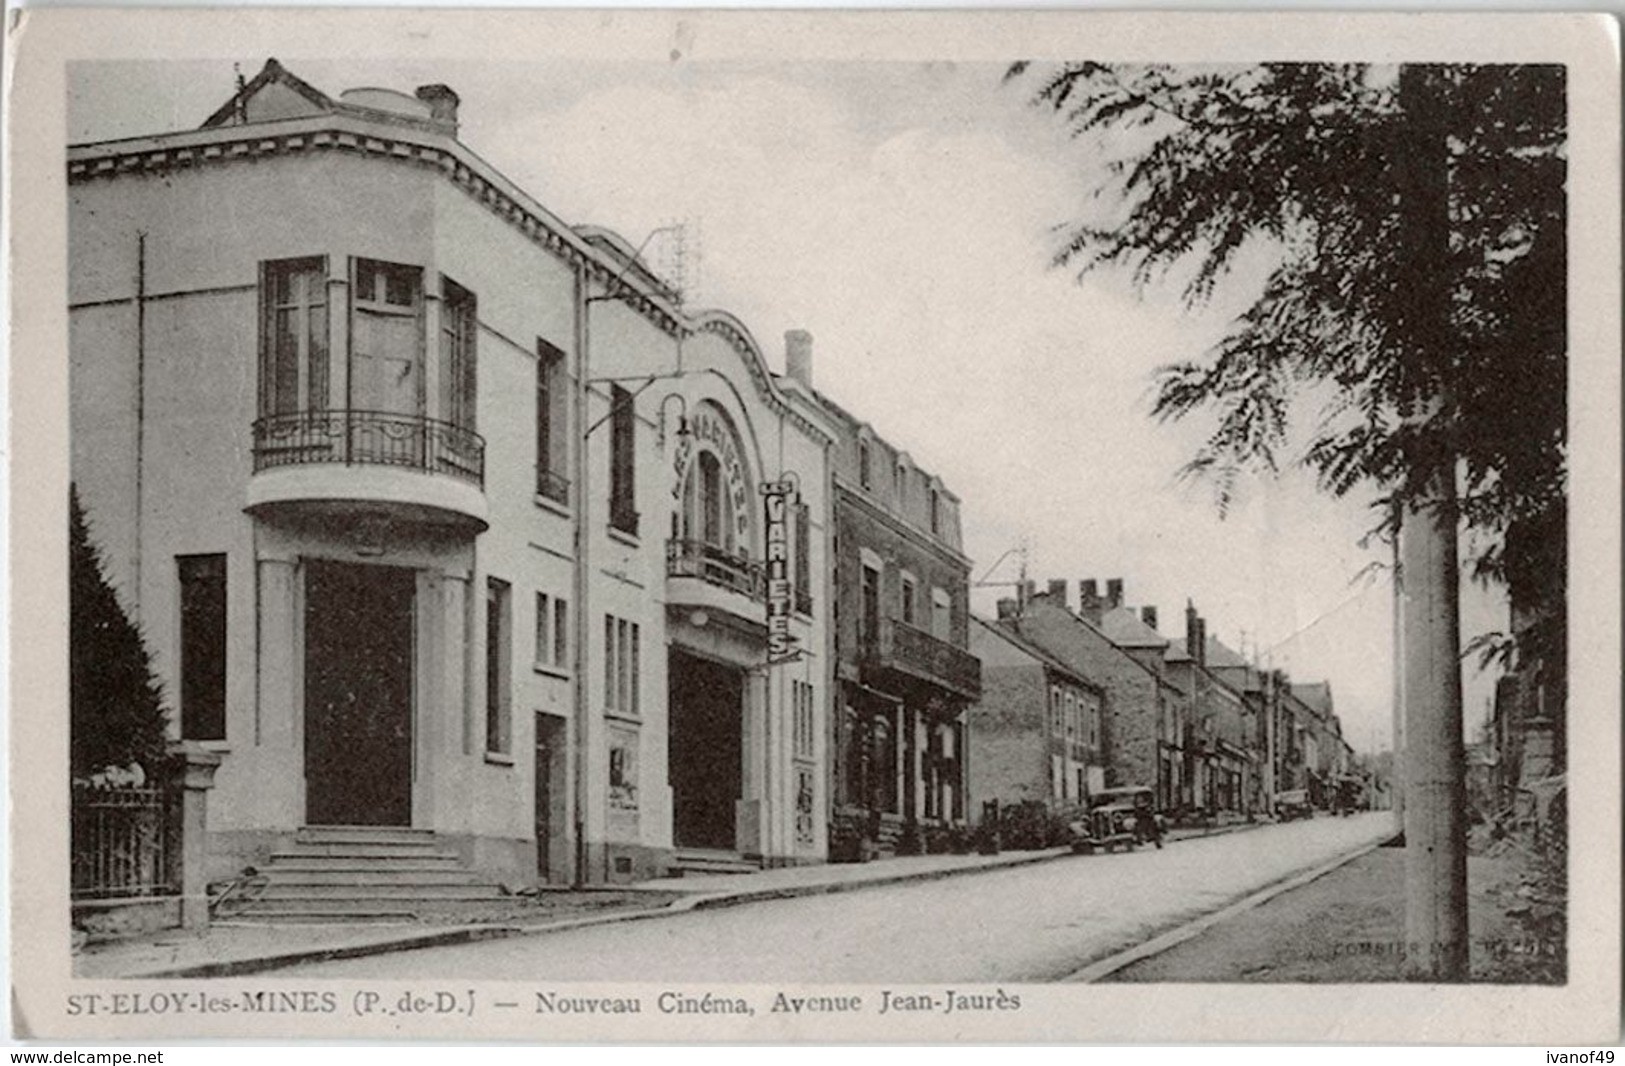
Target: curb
(469,934)
(1121,960)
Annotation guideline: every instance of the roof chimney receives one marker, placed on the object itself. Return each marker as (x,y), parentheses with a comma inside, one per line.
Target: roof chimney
(798,355)
(1191,625)
(1200,655)
(1057,591)
(442,103)
(1089,600)
(1008,608)
(1148,615)
(1114,592)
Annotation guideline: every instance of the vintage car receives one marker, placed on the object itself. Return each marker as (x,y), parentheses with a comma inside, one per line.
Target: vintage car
(1117,817)
(1293,803)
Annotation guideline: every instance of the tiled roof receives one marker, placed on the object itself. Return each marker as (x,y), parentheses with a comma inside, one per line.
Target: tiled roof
(1124,628)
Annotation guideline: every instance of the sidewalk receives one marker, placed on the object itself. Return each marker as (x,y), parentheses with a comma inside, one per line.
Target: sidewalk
(1348,926)
(230,949)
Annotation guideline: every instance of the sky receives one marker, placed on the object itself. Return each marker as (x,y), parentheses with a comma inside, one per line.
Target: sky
(905,214)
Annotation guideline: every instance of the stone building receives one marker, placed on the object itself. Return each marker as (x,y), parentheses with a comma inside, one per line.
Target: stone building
(1037,732)
(902,630)
(1143,724)
(442,516)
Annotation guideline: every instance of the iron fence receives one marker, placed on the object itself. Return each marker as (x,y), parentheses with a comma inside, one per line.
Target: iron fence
(125,842)
(715,566)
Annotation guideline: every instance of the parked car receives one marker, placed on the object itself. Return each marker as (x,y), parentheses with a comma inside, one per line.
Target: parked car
(1293,803)
(1117,817)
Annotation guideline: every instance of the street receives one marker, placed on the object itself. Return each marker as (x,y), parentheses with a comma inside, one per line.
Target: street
(1031,923)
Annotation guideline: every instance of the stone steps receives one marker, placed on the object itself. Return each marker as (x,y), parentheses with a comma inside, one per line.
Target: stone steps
(363,874)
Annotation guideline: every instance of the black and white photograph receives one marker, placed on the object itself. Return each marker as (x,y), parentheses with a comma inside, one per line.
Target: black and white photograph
(879,536)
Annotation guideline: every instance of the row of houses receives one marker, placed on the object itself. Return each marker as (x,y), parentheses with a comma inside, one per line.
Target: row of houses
(1079,699)
(440,514)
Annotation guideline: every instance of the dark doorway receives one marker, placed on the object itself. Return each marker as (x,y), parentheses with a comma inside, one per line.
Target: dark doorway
(705,749)
(358,694)
(549,746)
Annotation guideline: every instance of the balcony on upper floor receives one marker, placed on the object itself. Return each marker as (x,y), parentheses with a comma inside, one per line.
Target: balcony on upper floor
(901,649)
(417,468)
(706,576)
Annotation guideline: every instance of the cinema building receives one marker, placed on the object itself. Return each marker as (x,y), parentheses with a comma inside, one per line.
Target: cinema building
(441,516)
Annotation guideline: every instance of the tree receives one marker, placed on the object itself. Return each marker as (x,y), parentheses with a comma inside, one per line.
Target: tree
(117,716)
(1453,361)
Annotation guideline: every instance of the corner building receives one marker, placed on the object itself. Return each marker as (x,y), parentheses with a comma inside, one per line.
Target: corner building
(439,513)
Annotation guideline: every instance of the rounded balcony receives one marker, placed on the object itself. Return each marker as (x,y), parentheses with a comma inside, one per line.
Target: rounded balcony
(413,468)
(704,577)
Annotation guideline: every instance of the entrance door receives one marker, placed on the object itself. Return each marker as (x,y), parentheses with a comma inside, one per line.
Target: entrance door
(706,750)
(549,744)
(358,694)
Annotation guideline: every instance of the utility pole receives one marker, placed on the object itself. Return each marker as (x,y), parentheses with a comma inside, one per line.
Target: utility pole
(1435,823)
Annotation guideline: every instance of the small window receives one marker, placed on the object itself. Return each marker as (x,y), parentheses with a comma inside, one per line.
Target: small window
(498,653)
(936,512)
(203,646)
(552,631)
(623,508)
(863,463)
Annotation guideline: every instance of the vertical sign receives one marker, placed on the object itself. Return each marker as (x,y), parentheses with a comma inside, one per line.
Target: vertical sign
(777,497)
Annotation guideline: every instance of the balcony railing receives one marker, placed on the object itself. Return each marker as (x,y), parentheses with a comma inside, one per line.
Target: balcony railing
(715,566)
(376,438)
(900,647)
(555,487)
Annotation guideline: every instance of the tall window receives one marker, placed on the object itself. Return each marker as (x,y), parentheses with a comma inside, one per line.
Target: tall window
(711,521)
(941,614)
(623,508)
(293,343)
(552,452)
(863,463)
(871,605)
(936,512)
(803,558)
(386,338)
(801,699)
(552,631)
(907,595)
(459,372)
(203,646)
(498,653)
(621,666)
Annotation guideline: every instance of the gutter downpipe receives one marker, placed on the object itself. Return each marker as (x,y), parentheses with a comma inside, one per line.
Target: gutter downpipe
(578,420)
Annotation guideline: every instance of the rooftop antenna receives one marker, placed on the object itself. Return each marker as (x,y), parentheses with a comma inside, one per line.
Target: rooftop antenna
(241,97)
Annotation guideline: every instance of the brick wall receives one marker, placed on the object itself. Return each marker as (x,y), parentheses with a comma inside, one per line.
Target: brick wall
(1009,736)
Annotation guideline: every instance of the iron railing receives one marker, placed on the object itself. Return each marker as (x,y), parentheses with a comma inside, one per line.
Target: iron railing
(716,566)
(125,842)
(901,647)
(555,487)
(377,438)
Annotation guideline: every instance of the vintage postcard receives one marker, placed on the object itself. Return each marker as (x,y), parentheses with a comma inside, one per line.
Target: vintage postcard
(785,526)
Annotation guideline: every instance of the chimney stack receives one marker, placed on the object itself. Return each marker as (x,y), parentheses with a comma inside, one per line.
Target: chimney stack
(798,355)
(442,103)
(1089,599)
(1008,608)
(1191,626)
(1148,615)
(1029,590)
(1057,591)
(1114,593)
(1201,641)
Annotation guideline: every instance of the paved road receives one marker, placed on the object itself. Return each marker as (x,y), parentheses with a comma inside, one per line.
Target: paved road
(1031,923)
